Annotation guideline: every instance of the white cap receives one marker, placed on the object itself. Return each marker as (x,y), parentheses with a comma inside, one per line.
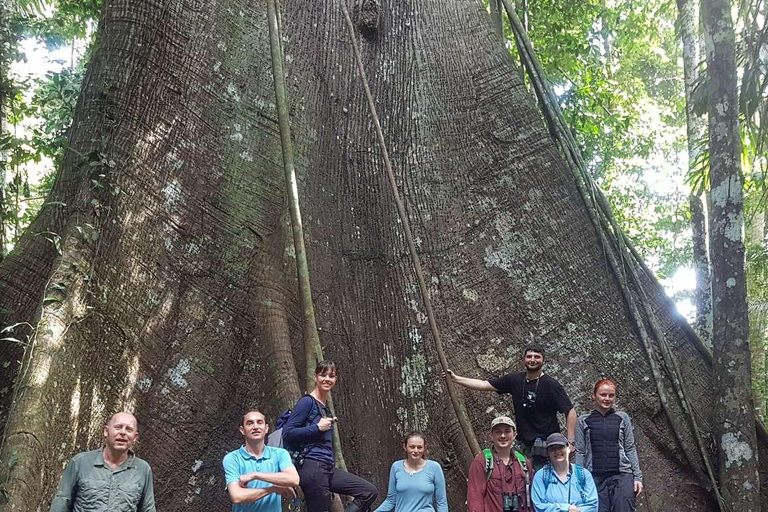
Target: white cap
(503,420)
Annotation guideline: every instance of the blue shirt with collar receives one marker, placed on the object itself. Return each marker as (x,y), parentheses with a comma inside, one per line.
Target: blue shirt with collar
(240,462)
(556,496)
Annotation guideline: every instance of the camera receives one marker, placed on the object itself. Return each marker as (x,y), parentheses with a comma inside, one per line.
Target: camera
(530,400)
(510,502)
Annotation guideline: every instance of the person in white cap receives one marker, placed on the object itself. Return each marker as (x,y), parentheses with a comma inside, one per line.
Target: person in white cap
(499,477)
(561,486)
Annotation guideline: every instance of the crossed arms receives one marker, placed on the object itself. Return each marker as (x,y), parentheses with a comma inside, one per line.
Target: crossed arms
(282,483)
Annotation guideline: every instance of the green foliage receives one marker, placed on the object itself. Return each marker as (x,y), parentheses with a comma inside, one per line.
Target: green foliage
(616,69)
(752,60)
(54,104)
(46,116)
(68,20)
(661,230)
(38,112)
(614,66)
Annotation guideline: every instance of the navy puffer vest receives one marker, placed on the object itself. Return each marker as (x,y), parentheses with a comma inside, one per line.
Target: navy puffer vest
(604,437)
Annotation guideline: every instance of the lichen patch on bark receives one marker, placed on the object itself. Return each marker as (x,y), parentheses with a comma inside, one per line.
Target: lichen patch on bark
(737,450)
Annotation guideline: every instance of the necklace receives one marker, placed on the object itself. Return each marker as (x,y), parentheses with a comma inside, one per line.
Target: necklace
(411,471)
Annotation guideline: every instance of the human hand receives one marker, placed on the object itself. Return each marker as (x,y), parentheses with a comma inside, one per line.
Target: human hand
(244,479)
(324,424)
(638,488)
(287,492)
(450,374)
(573,508)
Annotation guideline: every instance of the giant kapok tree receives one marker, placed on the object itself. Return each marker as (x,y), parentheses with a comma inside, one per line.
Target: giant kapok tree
(160,276)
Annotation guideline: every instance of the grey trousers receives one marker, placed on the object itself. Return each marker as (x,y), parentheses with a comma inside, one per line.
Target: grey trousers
(615,493)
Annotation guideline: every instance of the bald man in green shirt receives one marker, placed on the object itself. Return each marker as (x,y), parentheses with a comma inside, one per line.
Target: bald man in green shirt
(111,479)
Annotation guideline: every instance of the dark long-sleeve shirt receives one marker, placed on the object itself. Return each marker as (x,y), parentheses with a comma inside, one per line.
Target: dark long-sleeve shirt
(301,430)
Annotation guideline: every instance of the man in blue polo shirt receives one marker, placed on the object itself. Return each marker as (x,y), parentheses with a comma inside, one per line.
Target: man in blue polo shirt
(257,474)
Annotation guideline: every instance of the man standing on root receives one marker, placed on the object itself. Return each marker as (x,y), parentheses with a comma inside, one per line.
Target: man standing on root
(111,479)
(537,398)
(257,474)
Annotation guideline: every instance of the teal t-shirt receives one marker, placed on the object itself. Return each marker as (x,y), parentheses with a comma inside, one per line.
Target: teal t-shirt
(240,462)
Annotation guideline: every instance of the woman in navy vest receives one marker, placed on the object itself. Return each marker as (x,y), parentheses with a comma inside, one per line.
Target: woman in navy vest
(310,429)
(605,445)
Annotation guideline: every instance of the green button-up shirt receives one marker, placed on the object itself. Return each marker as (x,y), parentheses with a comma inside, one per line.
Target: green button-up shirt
(90,485)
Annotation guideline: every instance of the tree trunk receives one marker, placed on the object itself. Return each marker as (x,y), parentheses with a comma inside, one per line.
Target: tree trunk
(735,424)
(687,21)
(180,304)
(605,33)
(758,319)
(758,323)
(702,295)
(6,43)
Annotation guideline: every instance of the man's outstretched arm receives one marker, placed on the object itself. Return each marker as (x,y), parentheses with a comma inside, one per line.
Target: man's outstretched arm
(570,424)
(476,384)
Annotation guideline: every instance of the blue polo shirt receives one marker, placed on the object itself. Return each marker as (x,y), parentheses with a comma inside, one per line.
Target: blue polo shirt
(240,462)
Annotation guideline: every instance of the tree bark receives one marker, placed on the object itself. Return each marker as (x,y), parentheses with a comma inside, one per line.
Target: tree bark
(6,43)
(738,466)
(758,319)
(687,23)
(758,323)
(190,304)
(702,295)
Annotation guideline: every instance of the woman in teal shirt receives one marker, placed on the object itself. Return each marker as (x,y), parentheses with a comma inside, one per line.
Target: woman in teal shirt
(561,486)
(415,482)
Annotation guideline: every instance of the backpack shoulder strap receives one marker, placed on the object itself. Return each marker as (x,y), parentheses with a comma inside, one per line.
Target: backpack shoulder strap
(581,480)
(299,451)
(524,464)
(488,463)
(547,476)
(521,459)
(314,412)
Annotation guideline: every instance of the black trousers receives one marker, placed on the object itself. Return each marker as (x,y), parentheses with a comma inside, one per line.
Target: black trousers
(320,479)
(537,459)
(615,493)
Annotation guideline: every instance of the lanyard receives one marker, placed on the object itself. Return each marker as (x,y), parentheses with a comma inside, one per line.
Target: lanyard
(503,472)
(535,390)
